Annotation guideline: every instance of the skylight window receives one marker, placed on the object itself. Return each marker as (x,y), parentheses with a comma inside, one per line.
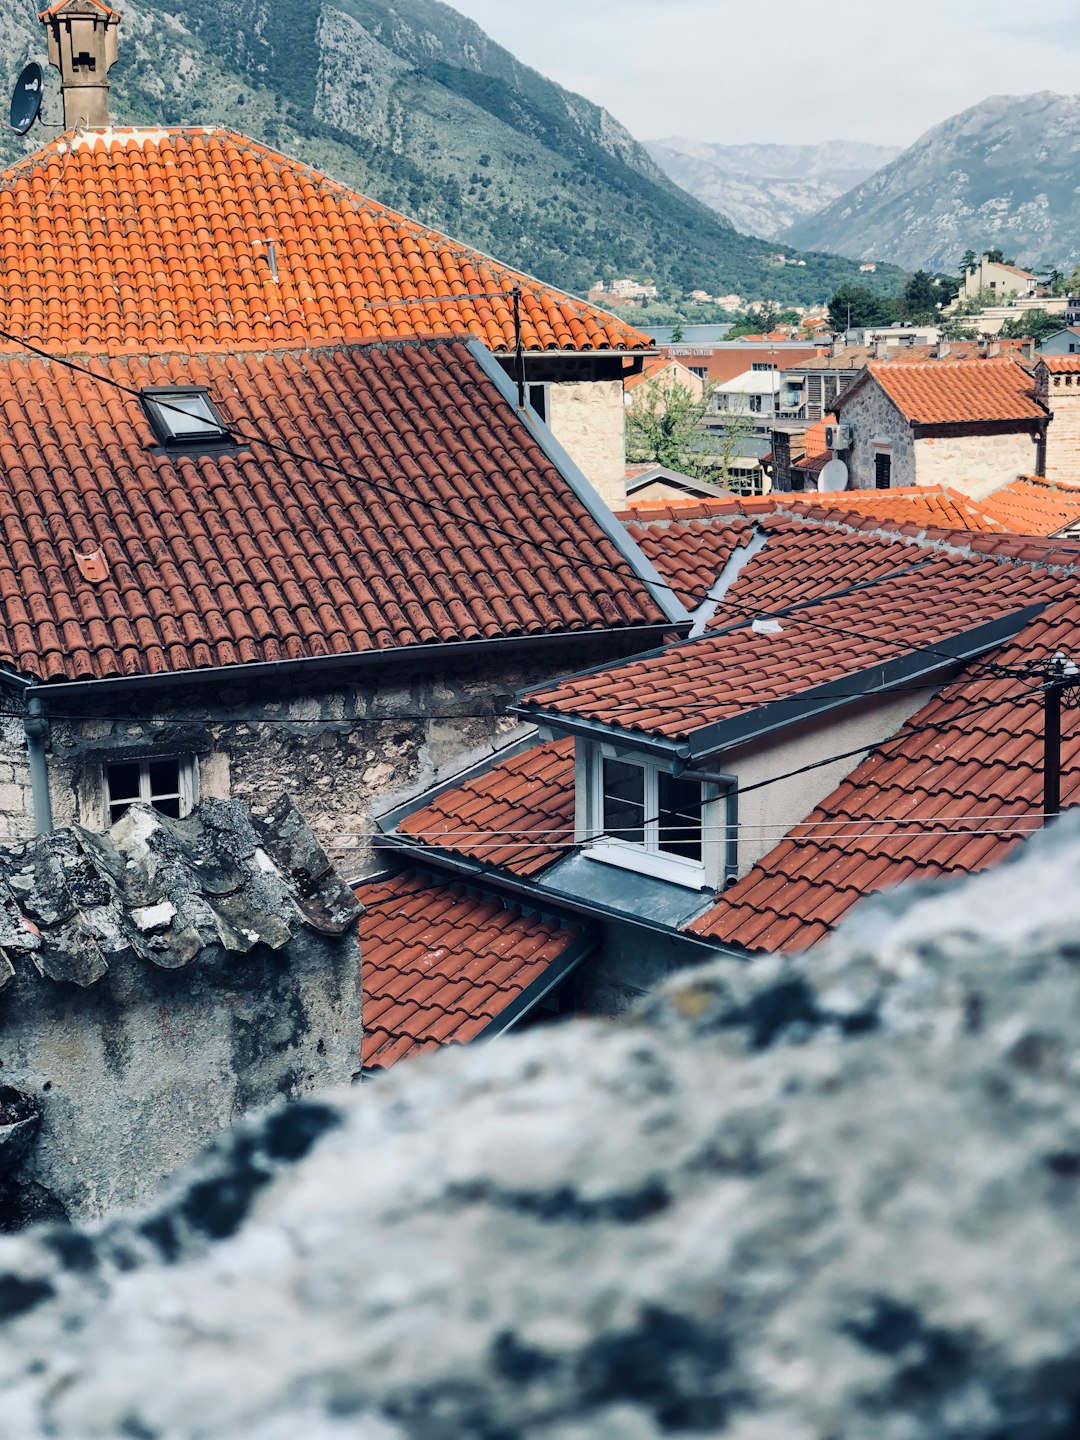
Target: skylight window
(184,418)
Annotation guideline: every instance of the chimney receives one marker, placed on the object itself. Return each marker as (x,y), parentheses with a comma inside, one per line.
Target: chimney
(839,343)
(943,348)
(993,349)
(1029,348)
(83,47)
(881,349)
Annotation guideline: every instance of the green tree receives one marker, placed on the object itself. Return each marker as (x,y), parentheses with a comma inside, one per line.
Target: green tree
(678,335)
(862,306)
(1033,324)
(969,263)
(922,295)
(663,427)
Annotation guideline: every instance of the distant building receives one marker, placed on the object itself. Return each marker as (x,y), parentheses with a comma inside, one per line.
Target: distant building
(868,269)
(1062,342)
(999,279)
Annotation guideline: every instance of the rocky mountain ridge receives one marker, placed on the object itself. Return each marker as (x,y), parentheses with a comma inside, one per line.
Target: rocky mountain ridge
(1003,173)
(413,105)
(763,189)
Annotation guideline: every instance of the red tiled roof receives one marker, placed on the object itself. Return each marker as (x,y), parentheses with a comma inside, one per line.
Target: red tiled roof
(250,556)
(156,240)
(943,392)
(1061,364)
(1032,506)
(675,692)
(945,800)
(440,962)
(63,4)
(517,815)
(725,365)
(816,454)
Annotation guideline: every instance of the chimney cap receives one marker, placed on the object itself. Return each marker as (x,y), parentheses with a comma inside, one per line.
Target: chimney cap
(78,7)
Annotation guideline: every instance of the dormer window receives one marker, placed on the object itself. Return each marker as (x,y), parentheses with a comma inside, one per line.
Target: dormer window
(637,813)
(184,418)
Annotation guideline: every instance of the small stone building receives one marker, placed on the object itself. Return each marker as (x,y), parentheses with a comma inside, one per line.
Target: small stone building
(1057,384)
(971,426)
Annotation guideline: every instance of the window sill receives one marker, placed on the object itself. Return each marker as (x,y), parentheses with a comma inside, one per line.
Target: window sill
(690,873)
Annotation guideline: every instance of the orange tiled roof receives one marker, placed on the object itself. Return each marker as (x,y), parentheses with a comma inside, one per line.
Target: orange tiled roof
(245,555)
(1061,364)
(440,962)
(156,240)
(944,392)
(734,669)
(1032,506)
(951,793)
(516,815)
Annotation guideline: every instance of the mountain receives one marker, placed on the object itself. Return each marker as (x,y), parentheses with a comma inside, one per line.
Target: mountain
(763,189)
(1003,173)
(414,105)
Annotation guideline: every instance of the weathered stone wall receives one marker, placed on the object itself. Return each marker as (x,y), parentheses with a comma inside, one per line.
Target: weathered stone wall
(1063,432)
(588,418)
(975,464)
(156,984)
(833,1196)
(16,800)
(873,417)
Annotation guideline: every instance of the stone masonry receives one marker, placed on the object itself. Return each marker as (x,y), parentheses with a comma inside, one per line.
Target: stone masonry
(155,984)
(830,1197)
(1061,394)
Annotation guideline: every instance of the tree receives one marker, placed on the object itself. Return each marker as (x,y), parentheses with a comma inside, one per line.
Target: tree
(922,295)
(678,335)
(969,263)
(1031,324)
(862,306)
(663,427)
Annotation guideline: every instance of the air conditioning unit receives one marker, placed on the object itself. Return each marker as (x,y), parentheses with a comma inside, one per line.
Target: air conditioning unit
(837,437)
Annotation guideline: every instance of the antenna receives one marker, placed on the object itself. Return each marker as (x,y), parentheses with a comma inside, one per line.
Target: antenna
(26,97)
(834,476)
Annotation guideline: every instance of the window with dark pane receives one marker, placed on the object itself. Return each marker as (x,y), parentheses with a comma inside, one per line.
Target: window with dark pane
(882,470)
(679,811)
(538,400)
(159,783)
(624,801)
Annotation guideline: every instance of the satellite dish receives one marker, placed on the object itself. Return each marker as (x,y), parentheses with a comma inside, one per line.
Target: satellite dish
(833,476)
(26,97)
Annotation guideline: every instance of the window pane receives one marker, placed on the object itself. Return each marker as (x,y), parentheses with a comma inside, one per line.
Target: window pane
(624,801)
(164,778)
(169,807)
(115,811)
(185,417)
(123,782)
(680,816)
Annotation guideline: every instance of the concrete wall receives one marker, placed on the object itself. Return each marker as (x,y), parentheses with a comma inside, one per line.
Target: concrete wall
(588,418)
(133,1075)
(975,464)
(1062,394)
(873,417)
(630,962)
(766,815)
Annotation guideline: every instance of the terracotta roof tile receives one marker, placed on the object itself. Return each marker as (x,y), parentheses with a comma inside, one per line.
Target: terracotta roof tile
(944,392)
(421,535)
(168,231)
(445,980)
(518,815)
(1061,364)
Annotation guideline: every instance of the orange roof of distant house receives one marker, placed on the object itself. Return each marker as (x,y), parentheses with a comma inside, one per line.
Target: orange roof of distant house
(1061,364)
(140,240)
(653,368)
(943,392)
(723,364)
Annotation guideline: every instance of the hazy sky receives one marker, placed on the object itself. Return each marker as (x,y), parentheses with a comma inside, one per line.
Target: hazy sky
(738,71)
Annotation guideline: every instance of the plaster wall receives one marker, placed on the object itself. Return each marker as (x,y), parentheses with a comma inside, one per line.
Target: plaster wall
(628,964)
(134,1074)
(1063,432)
(766,815)
(873,418)
(976,464)
(588,418)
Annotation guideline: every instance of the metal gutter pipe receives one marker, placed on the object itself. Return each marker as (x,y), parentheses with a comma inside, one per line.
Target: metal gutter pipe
(37,730)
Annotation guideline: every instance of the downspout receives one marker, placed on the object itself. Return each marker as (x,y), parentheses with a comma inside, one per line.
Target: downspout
(728,785)
(37,731)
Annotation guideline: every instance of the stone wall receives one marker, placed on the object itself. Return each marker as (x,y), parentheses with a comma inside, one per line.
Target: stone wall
(975,464)
(16,799)
(1063,433)
(157,984)
(827,1196)
(588,418)
(874,418)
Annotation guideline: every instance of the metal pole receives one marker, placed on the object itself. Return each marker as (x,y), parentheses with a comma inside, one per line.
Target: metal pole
(519,356)
(1051,749)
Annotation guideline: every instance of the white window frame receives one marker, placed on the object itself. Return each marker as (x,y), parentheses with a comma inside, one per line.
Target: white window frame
(188,774)
(646,859)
